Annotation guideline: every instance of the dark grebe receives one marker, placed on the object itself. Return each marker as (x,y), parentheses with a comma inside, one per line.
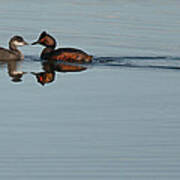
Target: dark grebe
(13,53)
(64,54)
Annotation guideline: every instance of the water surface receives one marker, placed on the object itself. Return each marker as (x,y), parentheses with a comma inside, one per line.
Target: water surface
(117,119)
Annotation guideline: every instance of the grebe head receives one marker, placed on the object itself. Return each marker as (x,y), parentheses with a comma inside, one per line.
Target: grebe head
(46,40)
(17,41)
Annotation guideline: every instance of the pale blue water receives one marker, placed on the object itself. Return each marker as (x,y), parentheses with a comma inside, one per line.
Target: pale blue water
(119,119)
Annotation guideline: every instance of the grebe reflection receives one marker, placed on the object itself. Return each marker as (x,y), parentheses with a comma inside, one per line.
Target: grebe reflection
(51,67)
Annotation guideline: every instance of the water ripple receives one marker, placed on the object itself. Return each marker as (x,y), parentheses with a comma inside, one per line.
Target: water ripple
(155,62)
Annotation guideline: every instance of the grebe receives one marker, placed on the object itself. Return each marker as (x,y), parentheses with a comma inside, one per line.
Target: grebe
(13,53)
(64,54)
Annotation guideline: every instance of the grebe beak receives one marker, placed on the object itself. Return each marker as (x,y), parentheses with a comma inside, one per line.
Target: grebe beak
(37,42)
(25,43)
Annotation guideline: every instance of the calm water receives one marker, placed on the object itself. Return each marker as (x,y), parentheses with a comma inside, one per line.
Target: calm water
(117,119)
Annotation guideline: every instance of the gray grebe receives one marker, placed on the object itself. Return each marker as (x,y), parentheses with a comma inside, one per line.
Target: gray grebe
(13,53)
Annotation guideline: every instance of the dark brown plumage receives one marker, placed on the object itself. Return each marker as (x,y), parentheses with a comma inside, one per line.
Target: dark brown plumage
(63,54)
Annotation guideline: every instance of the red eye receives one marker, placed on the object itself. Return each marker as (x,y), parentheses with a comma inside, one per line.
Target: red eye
(41,78)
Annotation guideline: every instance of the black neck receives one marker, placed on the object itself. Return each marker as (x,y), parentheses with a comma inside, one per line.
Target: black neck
(46,52)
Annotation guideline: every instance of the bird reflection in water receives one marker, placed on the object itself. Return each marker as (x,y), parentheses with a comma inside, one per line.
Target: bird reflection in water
(12,67)
(50,68)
